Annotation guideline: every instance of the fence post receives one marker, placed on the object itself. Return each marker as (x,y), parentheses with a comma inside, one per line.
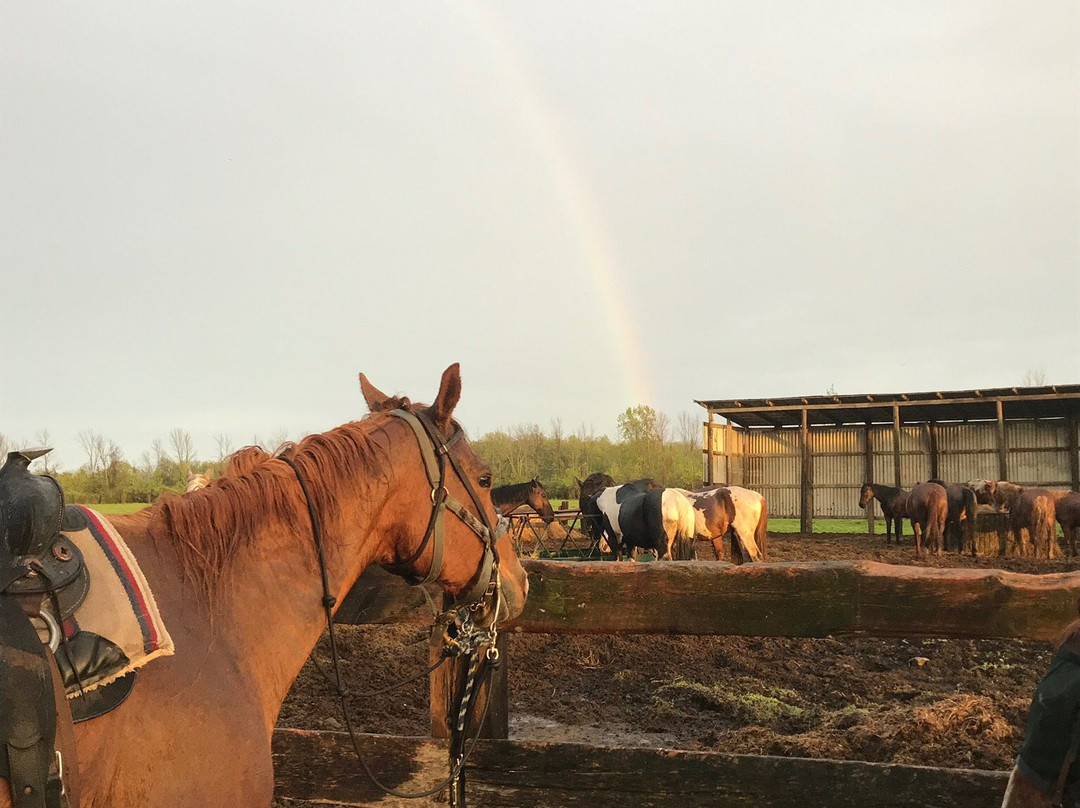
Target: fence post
(446,681)
(806,506)
(896,445)
(1002,446)
(868,476)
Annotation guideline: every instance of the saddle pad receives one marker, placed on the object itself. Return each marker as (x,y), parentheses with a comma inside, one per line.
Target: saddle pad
(119,605)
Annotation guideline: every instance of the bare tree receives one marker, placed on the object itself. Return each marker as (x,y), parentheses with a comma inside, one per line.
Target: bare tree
(47,464)
(93,444)
(1035,377)
(278,439)
(663,427)
(183,448)
(224,446)
(687,428)
(158,450)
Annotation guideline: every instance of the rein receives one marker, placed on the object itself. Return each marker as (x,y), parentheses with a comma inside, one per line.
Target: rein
(461,637)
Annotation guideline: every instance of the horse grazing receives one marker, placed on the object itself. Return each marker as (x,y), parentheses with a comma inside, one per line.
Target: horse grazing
(998,493)
(237,578)
(507,498)
(886,495)
(1067,513)
(926,505)
(960,519)
(1033,510)
(634,515)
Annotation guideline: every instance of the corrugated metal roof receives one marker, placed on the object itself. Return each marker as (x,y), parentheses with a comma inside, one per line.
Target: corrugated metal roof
(1051,401)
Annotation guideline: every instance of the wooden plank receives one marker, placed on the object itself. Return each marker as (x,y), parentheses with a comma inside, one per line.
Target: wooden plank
(897,478)
(814,599)
(868,476)
(806,599)
(806,498)
(515,774)
(1002,444)
(1074,451)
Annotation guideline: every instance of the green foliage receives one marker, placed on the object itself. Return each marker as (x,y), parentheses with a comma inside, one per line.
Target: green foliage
(515,455)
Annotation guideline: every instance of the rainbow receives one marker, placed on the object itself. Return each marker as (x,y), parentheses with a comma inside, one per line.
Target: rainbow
(582,212)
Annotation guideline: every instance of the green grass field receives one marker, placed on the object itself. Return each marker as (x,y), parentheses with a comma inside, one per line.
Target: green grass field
(118,507)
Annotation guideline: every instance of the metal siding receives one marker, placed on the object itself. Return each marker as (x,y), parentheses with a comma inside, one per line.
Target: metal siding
(1035,435)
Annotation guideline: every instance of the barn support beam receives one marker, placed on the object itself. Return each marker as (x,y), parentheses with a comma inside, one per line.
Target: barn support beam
(896,445)
(935,472)
(868,475)
(727,452)
(1074,456)
(1002,444)
(806,499)
(709,449)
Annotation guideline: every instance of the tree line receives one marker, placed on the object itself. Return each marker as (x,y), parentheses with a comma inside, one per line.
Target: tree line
(648,445)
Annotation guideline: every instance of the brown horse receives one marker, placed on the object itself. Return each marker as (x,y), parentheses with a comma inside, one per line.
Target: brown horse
(508,498)
(886,495)
(236,576)
(1033,510)
(1067,512)
(926,505)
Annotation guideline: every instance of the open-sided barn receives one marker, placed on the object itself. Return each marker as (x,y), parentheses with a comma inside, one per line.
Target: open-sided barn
(810,454)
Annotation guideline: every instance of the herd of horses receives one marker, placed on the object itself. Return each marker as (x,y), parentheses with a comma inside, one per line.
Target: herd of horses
(942,513)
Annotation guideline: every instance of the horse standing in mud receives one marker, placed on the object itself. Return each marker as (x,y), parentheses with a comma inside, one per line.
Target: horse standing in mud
(960,519)
(238,578)
(1067,513)
(886,495)
(1033,510)
(508,498)
(652,519)
(748,528)
(926,505)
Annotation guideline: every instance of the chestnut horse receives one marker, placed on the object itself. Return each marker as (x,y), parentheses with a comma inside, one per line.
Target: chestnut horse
(236,575)
(1033,510)
(1067,512)
(926,505)
(508,498)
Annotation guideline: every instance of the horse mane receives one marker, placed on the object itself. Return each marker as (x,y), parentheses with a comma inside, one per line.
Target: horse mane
(209,528)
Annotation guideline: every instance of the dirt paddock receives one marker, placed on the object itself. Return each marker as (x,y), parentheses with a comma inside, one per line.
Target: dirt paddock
(950,703)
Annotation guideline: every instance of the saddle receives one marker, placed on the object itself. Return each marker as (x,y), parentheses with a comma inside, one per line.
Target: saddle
(43,581)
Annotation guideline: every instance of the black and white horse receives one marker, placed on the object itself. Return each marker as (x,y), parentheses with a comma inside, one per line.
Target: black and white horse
(634,516)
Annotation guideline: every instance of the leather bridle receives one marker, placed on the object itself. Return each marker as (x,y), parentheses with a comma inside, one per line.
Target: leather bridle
(462,637)
(436,452)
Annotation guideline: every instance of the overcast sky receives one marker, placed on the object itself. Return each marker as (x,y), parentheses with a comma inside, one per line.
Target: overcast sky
(215,214)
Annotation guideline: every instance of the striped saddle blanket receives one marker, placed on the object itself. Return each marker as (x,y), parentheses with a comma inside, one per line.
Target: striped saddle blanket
(119,605)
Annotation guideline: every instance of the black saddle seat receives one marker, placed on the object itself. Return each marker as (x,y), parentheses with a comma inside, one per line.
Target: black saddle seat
(31,505)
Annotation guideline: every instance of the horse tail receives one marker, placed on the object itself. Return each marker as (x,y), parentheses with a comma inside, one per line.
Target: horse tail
(761,532)
(969,517)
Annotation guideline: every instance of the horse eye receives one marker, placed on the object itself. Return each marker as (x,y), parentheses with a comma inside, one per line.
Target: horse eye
(485,481)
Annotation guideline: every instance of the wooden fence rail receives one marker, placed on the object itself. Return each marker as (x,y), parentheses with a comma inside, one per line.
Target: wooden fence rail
(698,598)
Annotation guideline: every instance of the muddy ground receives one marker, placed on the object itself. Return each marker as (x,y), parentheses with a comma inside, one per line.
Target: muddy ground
(952,703)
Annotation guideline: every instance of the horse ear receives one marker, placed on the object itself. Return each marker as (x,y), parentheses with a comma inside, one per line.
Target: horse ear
(376,399)
(579,482)
(449,395)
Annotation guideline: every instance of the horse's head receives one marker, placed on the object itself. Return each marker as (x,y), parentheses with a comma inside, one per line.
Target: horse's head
(866,493)
(442,494)
(538,501)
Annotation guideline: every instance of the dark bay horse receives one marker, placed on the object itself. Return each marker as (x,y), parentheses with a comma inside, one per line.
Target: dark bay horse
(508,498)
(886,496)
(237,580)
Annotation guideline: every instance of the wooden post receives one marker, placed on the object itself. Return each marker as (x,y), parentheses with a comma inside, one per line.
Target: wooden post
(806,502)
(708,449)
(727,452)
(447,680)
(1002,446)
(1074,458)
(744,440)
(896,444)
(934,466)
(868,476)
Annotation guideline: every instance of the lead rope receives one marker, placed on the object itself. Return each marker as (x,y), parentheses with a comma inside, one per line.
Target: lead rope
(468,636)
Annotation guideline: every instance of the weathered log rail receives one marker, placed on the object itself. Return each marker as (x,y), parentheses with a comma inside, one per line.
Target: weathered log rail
(697,598)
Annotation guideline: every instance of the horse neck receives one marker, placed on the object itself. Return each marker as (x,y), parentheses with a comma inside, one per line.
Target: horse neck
(268,609)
